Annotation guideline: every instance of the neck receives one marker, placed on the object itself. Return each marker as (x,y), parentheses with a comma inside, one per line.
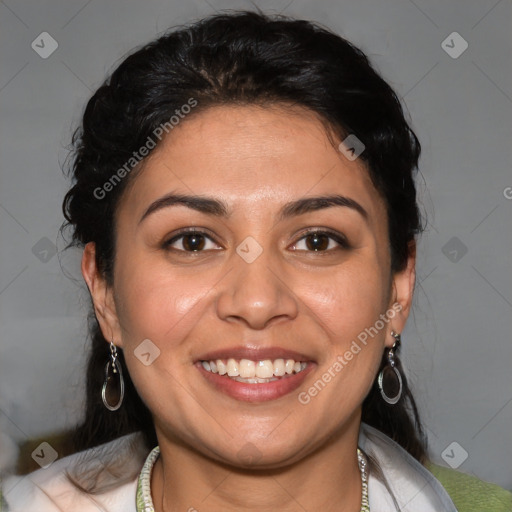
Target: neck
(326,479)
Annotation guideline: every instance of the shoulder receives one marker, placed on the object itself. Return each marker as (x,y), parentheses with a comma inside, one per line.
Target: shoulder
(438,488)
(470,493)
(102,478)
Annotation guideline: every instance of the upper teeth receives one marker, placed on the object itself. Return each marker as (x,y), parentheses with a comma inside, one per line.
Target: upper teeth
(248,369)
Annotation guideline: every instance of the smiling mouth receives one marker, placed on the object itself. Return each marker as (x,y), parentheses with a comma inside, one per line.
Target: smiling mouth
(254,372)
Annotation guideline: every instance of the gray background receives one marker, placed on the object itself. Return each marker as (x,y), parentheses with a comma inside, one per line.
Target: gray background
(457,344)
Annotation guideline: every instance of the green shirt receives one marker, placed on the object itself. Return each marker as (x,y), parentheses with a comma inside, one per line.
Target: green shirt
(469,494)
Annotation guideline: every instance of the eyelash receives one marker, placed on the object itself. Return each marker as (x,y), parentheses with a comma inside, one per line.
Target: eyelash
(181,234)
(339,238)
(332,235)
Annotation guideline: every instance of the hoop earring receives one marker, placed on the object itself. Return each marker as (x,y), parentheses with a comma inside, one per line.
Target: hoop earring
(391,371)
(113,364)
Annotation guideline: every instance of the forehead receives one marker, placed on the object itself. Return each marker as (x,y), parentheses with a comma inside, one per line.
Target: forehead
(252,157)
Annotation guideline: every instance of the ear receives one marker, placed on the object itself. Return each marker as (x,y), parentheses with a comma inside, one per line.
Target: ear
(102,296)
(402,294)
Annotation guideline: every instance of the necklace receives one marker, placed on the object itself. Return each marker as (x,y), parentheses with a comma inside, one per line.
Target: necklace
(145,502)
(363,468)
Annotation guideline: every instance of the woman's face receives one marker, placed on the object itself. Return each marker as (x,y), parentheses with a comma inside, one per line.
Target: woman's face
(225,251)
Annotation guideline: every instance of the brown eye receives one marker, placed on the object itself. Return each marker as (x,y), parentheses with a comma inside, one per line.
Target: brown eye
(321,241)
(191,241)
(317,242)
(194,242)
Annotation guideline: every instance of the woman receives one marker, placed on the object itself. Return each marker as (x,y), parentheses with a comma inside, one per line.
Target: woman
(244,192)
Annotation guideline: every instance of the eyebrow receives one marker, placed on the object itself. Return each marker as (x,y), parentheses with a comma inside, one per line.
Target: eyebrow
(313,204)
(218,208)
(201,204)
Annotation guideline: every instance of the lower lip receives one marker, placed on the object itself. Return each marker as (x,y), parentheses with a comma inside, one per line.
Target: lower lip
(256,392)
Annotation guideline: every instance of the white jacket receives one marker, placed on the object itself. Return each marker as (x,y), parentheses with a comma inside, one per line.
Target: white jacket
(48,490)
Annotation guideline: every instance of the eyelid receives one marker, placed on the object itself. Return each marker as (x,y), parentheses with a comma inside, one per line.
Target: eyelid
(338,237)
(170,239)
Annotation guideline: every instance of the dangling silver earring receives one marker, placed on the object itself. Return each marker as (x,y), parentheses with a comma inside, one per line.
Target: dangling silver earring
(112,371)
(391,373)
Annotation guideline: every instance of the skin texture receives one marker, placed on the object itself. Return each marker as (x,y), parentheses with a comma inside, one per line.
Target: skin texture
(255,160)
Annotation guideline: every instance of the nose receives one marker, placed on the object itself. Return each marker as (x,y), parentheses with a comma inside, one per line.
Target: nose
(256,293)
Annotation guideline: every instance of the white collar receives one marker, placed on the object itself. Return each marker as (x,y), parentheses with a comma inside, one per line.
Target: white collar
(412,485)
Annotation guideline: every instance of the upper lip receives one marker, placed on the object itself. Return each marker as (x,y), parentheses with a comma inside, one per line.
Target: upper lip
(254,354)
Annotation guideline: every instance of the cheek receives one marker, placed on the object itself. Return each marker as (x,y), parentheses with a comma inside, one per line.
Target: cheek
(349,299)
(149,316)
(348,305)
(157,312)
(157,303)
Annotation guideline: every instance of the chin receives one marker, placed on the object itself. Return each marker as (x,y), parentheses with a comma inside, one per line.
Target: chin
(260,453)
